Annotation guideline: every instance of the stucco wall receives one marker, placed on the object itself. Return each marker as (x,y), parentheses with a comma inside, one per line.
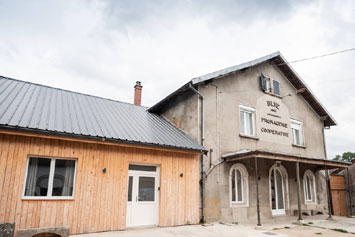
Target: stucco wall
(222,98)
(244,89)
(184,114)
(218,206)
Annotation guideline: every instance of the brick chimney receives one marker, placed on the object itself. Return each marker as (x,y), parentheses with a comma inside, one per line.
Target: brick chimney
(138,93)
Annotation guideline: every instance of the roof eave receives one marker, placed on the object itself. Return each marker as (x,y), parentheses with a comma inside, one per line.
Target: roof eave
(329,121)
(279,156)
(97,138)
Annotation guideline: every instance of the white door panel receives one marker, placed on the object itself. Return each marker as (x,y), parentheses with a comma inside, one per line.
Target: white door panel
(143,197)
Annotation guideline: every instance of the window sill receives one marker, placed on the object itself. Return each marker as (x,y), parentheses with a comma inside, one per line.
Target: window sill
(242,204)
(310,203)
(272,94)
(299,146)
(248,136)
(48,198)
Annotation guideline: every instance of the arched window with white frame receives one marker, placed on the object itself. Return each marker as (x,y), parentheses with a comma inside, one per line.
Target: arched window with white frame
(238,183)
(309,184)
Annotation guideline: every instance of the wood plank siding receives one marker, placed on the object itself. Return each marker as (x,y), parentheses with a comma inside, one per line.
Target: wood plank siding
(337,189)
(100,198)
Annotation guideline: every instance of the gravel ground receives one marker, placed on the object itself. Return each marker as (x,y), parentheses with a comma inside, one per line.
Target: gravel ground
(317,226)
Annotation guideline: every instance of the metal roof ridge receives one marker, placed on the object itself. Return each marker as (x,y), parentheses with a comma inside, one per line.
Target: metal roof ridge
(70,91)
(234,68)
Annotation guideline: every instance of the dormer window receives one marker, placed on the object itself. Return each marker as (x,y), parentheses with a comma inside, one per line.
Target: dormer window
(269,85)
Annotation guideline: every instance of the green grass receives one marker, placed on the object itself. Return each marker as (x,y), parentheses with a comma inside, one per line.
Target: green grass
(287,227)
(304,224)
(318,233)
(340,230)
(310,223)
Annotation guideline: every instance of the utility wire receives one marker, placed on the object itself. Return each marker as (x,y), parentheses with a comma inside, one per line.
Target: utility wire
(319,56)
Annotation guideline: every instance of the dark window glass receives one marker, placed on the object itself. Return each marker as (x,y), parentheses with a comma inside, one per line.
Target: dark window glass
(280,199)
(276,86)
(63,180)
(273,196)
(239,185)
(130,184)
(233,186)
(143,168)
(146,189)
(37,177)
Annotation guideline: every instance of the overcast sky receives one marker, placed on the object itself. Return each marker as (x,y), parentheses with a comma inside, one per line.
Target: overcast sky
(103,47)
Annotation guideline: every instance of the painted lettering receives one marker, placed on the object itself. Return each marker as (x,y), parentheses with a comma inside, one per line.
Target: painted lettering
(277,123)
(274,132)
(272,104)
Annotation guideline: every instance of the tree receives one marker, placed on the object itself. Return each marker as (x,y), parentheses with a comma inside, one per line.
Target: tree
(347,156)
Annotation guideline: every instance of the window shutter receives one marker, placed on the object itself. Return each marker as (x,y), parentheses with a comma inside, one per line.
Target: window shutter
(276,86)
(263,82)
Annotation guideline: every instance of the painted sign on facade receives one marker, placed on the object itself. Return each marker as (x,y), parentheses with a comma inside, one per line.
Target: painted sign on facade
(273,120)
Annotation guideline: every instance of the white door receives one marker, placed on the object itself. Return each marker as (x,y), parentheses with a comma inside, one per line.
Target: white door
(277,192)
(143,196)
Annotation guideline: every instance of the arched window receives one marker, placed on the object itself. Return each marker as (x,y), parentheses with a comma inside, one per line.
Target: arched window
(238,179)
(309,187)
(279,194)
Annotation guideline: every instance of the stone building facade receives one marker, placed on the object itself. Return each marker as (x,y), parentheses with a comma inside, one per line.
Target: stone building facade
(264,130)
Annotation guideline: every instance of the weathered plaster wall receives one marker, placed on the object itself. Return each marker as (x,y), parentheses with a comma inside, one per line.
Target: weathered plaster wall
(244,89)
(222,136)
(184,114)
(222,99)
(218,205)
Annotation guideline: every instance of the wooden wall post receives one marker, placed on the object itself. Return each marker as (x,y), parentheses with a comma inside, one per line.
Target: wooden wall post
(328,193)
(257,190)
(298,191)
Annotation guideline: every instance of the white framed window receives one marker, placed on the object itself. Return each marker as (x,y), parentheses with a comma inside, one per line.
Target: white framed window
(309,185)
(49,178)
(297,132)
(247,120)
(238,180)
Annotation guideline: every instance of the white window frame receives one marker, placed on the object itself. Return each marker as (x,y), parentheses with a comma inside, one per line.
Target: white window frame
(50,180)
(245,186)
(297,125)
(313,200)
(252,111)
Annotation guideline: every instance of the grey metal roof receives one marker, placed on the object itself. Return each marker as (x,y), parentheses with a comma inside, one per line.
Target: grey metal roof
(278,60)
(39,108)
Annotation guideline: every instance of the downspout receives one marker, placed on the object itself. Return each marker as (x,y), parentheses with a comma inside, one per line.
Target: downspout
(202,180)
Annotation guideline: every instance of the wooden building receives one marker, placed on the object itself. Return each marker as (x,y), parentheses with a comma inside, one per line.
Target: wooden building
(91,164)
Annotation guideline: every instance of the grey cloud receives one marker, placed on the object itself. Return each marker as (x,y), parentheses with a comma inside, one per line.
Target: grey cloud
(122,15)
